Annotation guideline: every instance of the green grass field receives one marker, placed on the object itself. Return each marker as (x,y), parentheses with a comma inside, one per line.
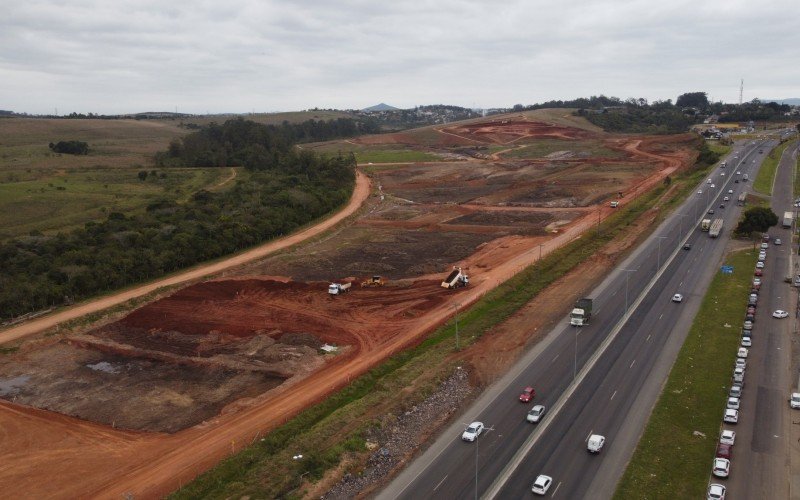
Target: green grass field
(670,461)
(48,192)
(543,147)
(766,174)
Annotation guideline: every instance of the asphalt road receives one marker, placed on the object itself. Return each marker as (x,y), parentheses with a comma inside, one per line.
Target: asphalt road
(613,397)
(760,461)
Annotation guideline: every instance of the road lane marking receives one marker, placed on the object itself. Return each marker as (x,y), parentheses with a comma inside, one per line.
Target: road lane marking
(615,292)
(648,337)
(554,359)
(555,490)
(612,396)
(662,315)
(632,363)
(440,483)
(680,284)
(589,435)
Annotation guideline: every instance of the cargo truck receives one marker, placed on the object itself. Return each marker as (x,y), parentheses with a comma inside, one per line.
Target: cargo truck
(581,313)
(455,279)
(705,224)
(787,219)
(716,228)
(742,199)
(337,288)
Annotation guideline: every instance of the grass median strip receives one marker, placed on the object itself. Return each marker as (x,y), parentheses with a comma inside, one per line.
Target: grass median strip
(766,174)
(670,460)
(335,427)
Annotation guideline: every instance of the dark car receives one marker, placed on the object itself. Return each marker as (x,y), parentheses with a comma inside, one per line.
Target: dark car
(750,317)
(721,205)
(687,246)
(736,181)
(751,310)
(711,212)
(724,451)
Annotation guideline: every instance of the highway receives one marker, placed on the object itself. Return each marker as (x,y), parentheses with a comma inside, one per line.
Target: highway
(602,378)
(760,460)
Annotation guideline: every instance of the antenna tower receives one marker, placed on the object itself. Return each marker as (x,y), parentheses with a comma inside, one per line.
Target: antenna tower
(741,91)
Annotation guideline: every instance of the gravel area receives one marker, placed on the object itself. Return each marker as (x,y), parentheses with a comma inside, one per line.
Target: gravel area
(400,436)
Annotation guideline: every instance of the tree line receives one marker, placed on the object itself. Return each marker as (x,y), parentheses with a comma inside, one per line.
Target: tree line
(286,189)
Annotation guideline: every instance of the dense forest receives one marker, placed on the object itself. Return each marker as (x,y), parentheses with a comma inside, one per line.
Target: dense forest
(286,189)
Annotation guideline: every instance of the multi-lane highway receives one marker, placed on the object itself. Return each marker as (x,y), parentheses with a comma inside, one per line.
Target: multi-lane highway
(602,378)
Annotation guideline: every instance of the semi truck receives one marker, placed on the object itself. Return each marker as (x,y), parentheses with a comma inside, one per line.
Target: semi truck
(338,288)
(742,199)
(455,279)
(581,313)
(705,224)
(787,219)
(716,228)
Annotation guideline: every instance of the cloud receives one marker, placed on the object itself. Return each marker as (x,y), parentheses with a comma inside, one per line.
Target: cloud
(242,55)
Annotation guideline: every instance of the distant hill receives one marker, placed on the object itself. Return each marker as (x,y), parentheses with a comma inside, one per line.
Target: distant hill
(381,107)
(794,101)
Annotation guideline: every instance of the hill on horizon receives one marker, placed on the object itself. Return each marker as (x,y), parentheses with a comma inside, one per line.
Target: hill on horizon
(792,101)
(381,107)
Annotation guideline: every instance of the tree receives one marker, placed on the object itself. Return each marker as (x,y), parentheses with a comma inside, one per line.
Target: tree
(142,175)
(692,100)
(756,219)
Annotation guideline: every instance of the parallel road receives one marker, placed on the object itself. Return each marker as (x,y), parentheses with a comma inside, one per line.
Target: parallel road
(613,398)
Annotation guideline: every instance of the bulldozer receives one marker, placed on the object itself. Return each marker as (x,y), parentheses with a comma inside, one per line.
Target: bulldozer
(374,281)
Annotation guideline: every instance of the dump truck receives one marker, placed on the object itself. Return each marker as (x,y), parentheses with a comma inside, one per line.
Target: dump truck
(374,281)
(337,288)
(742,199)
(716,228)
(705,224)
(581,313)
(787,219)
(455,279)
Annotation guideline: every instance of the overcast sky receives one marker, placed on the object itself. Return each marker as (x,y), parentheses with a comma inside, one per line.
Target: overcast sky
(121,56)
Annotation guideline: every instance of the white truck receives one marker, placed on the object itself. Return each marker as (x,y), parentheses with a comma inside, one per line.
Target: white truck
(455,279)
(787,219)
(581,313)
(742,199)
(705,224)
(716,228)
(339,288)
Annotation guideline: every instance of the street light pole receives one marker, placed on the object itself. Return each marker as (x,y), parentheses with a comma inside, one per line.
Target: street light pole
(658,259)
(456,306)
(627,276)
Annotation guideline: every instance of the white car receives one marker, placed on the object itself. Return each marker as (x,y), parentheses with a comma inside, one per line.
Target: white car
(760,264)
(722,467)
(713,186)
(731,416)
(741,363)
(794,402)
(727,437)
(738,374)
(742,352)
(780,314)
(733,403)
(722,174)
(730,191)
(535,414)
(726,198)
(778,241)
(542,484)
(677,298)
(595,443)
(747,342)
(473,431)
(756,281)
(738,173)
(764,245)
(716,492)
(762,256)
(699,191)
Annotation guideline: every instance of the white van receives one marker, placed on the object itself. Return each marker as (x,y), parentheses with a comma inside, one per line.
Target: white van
(614,204)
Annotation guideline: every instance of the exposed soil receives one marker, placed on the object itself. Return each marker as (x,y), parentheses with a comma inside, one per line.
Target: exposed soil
(231,339)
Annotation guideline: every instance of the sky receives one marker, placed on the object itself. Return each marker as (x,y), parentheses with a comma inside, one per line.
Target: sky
(240,56)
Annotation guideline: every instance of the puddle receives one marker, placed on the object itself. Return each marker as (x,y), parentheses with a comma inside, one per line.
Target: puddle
(104,366)
(11,386)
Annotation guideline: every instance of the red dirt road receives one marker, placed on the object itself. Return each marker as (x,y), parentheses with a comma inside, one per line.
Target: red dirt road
(50,455)
(360,193)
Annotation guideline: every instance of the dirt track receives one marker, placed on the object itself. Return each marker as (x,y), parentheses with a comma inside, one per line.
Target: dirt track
(360,194)
(85,459)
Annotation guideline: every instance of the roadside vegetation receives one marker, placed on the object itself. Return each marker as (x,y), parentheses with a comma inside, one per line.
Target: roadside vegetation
(332,433)
(285,189)
(766,174)
(394,156)
(671,460)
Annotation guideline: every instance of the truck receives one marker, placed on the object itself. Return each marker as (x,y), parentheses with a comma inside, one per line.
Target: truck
(723,164)
(745,177)
(705,224)
(787,219)
(339,288)
(742,199)
(716,228)
(455,279)
(581,312)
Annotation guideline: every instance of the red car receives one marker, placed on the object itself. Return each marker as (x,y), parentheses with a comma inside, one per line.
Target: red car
(759,272)
(527,394)
(724,451)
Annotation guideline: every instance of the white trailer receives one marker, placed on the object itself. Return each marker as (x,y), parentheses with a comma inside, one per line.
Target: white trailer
(338,288)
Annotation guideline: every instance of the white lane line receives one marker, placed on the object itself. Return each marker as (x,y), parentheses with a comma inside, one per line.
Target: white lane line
(612,396)
(615,292)
(440,483)
(588,435)
(680,284)
(554,359)
(632,363)
(554,491)
(662,315)
(648,337)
